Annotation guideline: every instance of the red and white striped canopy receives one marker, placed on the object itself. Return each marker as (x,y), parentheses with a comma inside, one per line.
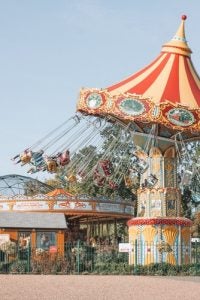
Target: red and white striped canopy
(170,77)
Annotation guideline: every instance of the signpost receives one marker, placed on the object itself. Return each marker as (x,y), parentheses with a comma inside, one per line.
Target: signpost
(4,238)
(125,247)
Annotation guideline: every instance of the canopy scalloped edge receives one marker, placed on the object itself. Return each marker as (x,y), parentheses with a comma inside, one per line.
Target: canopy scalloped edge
(160,221)
(133,107)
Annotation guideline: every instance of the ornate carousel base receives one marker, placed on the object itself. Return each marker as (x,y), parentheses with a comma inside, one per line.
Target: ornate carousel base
(161,239)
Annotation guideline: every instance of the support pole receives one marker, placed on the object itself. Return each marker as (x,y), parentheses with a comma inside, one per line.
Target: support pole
(135,263)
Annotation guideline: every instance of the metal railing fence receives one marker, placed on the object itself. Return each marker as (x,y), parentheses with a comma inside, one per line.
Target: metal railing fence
(82,258)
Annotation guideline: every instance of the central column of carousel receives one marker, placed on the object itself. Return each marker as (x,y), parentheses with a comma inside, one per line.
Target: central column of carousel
(159,233)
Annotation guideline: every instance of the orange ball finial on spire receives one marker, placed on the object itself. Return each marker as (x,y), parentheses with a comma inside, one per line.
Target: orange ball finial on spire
(183,17)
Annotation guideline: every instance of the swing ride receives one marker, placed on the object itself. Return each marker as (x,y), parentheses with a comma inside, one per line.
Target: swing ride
(142,117)
(137,131)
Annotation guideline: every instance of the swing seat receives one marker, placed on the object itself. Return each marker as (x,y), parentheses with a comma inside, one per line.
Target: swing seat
(128,182)
(132,179)
(151,181)
(113,185)
(134,159)
(25,157)
(52,166)
(141,166)
(71,178)
(79,178)
(32,170)
(37,159)
(106,167)
(140,154)
(96,174)
(187,178)
(81,173)
(63,159)
(99,181)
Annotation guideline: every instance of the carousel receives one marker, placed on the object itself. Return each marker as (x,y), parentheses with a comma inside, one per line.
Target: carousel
(87,217)
(135,133)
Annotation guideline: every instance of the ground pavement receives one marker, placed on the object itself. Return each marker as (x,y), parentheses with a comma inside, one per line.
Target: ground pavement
(88,287)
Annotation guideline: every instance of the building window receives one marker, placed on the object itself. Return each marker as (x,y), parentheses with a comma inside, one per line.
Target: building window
(46,239)
(24,239)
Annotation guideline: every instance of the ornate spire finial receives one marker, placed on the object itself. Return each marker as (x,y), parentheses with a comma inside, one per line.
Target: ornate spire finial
(178,43)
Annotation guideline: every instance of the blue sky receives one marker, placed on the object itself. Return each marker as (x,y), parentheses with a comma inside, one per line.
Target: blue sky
(50,49)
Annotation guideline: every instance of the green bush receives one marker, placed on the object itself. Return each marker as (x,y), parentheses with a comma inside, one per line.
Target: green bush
(4,267)
(18,267)
(164,269)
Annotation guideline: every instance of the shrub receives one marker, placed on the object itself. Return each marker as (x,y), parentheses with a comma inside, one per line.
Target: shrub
(19,267)
(45,263)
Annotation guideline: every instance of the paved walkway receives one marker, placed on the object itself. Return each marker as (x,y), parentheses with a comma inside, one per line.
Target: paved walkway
(61,287)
